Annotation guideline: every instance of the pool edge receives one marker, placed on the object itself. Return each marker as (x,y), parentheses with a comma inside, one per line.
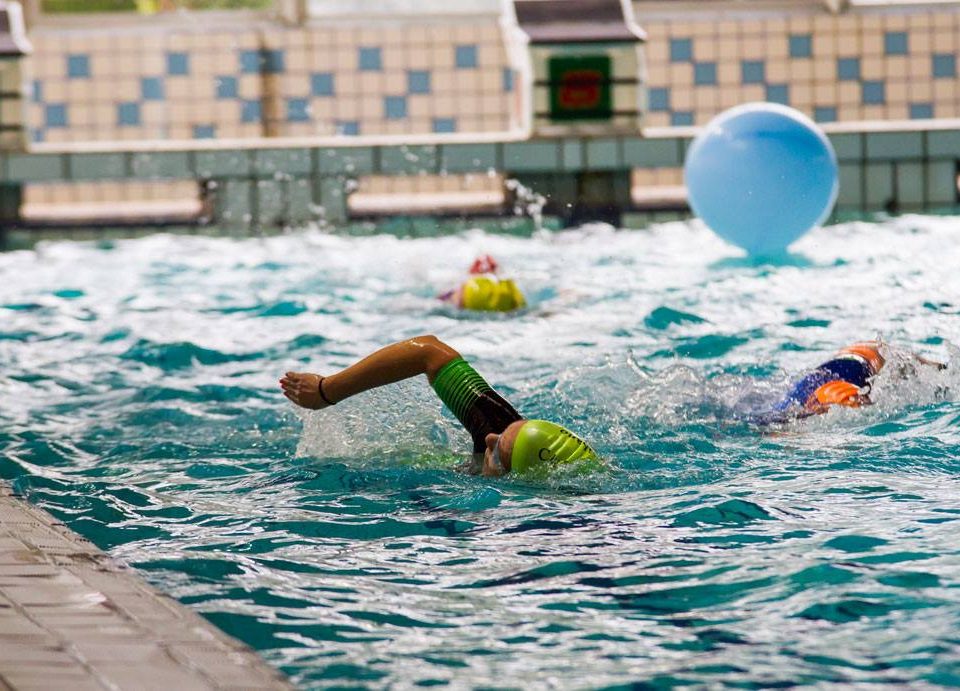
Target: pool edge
(72,617)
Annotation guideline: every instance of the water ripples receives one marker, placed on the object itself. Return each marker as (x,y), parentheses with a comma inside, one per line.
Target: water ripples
(140,407)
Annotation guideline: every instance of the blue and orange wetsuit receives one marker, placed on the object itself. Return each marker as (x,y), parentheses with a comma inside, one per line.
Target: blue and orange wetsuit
(842,380)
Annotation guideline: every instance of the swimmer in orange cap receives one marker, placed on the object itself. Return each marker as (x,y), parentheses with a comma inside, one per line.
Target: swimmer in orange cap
(484,291)
(503,440)
(845,380)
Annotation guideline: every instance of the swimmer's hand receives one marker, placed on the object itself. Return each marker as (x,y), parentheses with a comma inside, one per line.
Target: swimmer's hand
(303,389)
(839,392)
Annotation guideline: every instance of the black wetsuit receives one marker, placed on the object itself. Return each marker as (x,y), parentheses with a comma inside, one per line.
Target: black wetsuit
(479,408)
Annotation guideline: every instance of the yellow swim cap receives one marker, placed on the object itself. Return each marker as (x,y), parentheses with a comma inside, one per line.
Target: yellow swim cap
(541,442)
(491,295)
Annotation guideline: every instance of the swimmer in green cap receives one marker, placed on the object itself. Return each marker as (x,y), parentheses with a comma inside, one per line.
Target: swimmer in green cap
(503,440)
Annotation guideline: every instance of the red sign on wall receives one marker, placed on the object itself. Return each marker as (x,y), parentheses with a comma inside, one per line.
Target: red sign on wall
(580,87)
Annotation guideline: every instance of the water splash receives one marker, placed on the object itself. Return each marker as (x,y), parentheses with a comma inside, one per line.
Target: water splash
(527,202)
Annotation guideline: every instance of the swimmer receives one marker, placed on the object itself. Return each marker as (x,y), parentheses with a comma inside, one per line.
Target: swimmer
(484,291)
(844,380)
(503,440)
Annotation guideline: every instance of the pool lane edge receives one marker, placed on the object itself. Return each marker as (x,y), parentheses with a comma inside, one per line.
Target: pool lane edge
(72,617)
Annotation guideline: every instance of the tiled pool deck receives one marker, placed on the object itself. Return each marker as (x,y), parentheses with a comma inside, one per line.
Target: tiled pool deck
(71,618)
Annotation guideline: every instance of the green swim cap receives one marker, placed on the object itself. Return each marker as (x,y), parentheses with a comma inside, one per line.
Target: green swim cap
(540,442)
(491,295)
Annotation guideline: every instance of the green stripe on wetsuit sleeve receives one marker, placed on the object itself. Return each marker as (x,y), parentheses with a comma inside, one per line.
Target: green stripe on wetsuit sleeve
(459,386)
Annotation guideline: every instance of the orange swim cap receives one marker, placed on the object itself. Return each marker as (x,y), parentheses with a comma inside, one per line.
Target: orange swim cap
(868,350)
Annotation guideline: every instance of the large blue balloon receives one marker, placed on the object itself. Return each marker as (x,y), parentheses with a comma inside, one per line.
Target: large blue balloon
(761,175)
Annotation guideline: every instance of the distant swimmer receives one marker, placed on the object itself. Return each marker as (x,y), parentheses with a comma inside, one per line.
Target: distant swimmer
(845,380)
(503,440)
(484,291)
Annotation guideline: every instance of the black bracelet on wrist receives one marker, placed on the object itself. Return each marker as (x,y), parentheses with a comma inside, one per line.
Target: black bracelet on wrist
(323,395)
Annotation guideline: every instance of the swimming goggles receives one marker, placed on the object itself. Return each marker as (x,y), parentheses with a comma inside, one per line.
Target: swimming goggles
(495,457)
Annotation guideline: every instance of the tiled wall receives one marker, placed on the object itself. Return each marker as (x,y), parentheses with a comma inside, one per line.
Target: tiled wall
(147,84)
(143,83)
(12,133)
(850,67)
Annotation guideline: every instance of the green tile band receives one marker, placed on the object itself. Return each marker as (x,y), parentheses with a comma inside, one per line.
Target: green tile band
(459,386)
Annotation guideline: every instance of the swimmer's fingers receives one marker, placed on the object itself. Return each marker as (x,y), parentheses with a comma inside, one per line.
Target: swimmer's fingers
(303,389)
(290,377)
(289,386)
(840,392)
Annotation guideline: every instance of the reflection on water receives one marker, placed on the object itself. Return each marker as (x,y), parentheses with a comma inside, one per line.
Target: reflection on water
(140,406)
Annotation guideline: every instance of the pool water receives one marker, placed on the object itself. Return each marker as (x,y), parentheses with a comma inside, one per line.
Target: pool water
(140,405)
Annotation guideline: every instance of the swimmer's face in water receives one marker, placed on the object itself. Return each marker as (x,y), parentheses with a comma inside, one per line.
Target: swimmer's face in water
(497,455)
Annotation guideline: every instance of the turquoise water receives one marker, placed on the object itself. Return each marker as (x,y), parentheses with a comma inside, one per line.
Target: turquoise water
(140,406)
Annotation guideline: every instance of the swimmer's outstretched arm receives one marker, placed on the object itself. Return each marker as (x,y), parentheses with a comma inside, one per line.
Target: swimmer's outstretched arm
(402,360)
(931,363)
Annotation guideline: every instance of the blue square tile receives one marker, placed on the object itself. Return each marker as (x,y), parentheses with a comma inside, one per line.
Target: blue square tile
(418,81)
(681,49)
(444,125)
(151,88)
(204,131)
(351,128)
(227,87)
(394,107)
(507,79)
(801,45)
(298,110)
(250,110)
(78,66)
(848,69)
(466,56)
(753,71)
(321,84)
(921,111)
(944,65)
(705,73)
(178,64)
(369,58)
(250,61)
(778,93)
(37,91)
(873,93)
(128,114)
(895,43)
(825,114)
(272,61)
(681,118)
(55,115)
(659,98)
